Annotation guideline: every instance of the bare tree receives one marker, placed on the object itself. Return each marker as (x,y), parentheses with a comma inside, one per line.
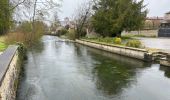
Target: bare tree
(16,3)
(82,17)
(34,10)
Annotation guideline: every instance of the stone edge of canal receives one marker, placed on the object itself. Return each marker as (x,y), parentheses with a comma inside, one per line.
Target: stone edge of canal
(10,69)
(142,54)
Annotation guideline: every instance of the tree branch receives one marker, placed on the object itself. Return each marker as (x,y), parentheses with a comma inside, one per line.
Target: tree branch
(17,5)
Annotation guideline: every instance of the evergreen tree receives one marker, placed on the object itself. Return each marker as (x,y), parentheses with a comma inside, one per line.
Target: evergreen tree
(111,17)
(5,16)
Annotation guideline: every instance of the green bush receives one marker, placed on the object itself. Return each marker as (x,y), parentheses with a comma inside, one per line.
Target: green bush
(105,40)
(117,40)
(22,51)
(63,31)
(134,43)
(108,40)
(71,34)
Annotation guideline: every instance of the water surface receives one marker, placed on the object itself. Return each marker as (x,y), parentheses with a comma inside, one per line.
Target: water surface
(67,71)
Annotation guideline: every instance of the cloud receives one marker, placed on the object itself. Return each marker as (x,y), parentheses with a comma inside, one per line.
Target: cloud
(156,7)
(68,7)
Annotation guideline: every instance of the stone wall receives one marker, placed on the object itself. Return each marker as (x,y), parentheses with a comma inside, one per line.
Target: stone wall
(121,50)
(9,73)
(145,33)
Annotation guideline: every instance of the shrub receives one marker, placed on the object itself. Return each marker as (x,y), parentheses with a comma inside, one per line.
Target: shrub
(71,34)
(63,31)
(12,38)
(25,34)
(108,40)
(22,51)
(134,43)
(117,40)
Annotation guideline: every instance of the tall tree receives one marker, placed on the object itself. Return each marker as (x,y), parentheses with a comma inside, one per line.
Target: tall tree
(5,16)
(111,17)
(82,17)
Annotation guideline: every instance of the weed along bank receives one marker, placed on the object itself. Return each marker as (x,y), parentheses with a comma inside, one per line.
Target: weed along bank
(9,72)
(141,54)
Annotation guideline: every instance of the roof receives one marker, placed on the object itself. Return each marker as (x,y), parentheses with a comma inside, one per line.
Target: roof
(168,12)
(154,18)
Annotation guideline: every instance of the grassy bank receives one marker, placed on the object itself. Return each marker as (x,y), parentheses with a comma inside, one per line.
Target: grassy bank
(140,35)
(3,45)
(123,41)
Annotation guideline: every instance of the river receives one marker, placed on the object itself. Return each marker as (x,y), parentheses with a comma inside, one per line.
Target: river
(68,71)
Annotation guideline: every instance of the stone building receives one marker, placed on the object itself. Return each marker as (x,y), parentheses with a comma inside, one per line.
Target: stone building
(153,23)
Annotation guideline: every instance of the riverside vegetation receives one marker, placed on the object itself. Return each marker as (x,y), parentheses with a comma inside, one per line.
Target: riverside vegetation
(124,41)
(108,19)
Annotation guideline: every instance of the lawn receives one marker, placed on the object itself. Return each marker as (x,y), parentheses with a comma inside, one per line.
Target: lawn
(123,41)
(3,46)
(109,40)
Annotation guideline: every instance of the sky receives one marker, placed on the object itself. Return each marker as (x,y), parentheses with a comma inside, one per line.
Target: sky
(155,7)
(68,8)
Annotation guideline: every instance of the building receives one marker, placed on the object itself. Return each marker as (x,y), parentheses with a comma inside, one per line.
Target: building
(68,24)
(164,30)
(153,23)
(167,17)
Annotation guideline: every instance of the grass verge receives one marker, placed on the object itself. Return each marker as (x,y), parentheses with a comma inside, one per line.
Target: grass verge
(123,41)
(3,45)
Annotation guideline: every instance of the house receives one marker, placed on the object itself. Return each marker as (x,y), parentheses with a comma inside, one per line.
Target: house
(152,23)
(167,17)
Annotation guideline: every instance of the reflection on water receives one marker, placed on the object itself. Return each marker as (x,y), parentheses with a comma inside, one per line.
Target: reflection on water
(113,72)
(166,71)
(67,71)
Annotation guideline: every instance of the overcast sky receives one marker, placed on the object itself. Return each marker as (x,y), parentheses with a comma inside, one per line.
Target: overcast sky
(156,7)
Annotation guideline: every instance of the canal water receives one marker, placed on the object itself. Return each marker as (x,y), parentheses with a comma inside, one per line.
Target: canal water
(67,71)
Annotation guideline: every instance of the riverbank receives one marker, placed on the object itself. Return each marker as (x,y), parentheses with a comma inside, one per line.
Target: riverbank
(148,54)
(10,68)
(3,45)
(8,73)
(137,53)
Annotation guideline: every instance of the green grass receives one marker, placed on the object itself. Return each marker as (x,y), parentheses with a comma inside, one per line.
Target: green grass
(3,46)
(138,35)
(111,40)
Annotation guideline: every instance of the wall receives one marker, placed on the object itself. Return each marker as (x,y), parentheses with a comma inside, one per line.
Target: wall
(121,50)
(9,73)
(167,17)
(146,33)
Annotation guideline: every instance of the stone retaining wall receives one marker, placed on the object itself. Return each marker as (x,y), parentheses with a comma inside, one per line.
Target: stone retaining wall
(9,73)
(141,54)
